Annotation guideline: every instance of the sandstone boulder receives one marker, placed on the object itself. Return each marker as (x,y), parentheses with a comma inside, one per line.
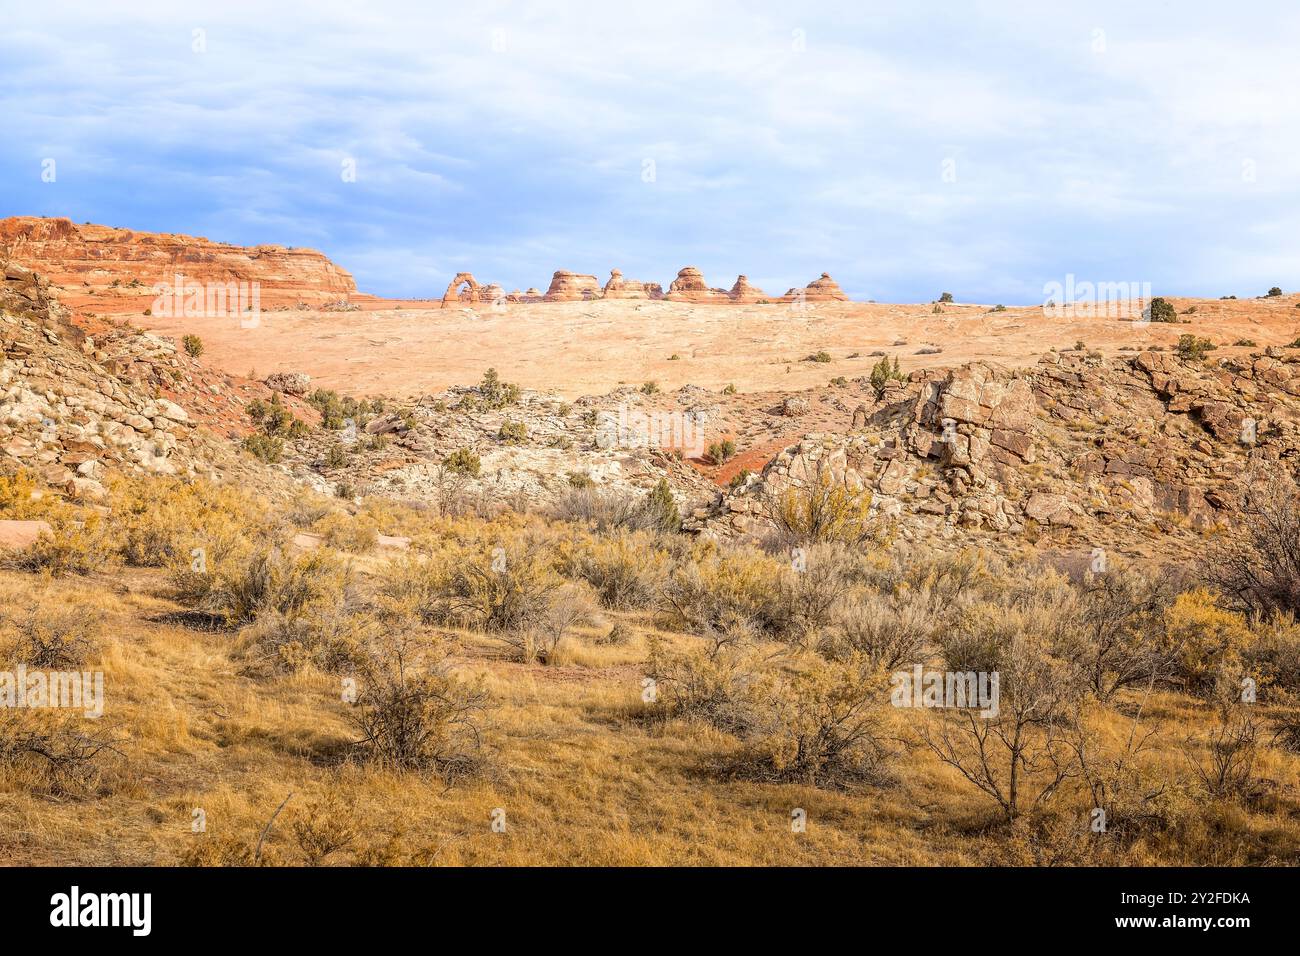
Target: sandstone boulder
(16,535)
(290,383)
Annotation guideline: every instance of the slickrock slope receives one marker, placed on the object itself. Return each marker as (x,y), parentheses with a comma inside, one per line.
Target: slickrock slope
(1094,452)
(572,287)
(88,260)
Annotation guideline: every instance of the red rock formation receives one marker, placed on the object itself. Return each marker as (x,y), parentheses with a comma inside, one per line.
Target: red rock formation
(572,287)
(619,288)
(742,291)
(454,292)
(689,286)
(93,262)
(824,289)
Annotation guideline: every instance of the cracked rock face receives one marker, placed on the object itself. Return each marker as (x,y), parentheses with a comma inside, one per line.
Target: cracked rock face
(1102,453)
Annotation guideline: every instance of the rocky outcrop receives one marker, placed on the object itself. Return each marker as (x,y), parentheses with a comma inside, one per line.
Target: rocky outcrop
(1099,453)
(619,288)
(742,291)
(76,408)
(289,383)
(689,286)
(572,287)
(823,289)
(88,262)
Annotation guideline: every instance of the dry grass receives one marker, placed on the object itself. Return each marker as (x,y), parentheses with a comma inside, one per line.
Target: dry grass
(581,767)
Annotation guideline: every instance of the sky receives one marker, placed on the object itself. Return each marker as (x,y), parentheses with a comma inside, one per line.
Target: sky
(982,148)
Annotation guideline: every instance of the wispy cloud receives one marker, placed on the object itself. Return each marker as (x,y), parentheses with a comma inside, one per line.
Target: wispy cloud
(904,148)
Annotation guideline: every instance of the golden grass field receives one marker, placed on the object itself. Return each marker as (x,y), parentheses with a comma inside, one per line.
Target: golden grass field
(585,771)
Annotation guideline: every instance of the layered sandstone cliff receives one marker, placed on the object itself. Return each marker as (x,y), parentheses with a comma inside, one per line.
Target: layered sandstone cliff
(89,261)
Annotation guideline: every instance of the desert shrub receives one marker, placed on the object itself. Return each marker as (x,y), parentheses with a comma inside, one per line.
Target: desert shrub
(739,478)
(336,456)
(661,508)
(650,388)
(882,373)
(22,497)
(322,828)
(265,448)
(945,297)
(1227,769)
(1118,776)
(826,508)
(826,726)
(325,635)
(1019,756)
(735,591)
(413,714)
(947,579)
(1161,310)
(1274,292)
(538,639)
(1193,348)
(1119,639)
(44,634)
(156,520)
(253,581)
(626,570)
(79,543)
(810,595)
(603,510)
(1273,656)
(1257,565)
(495,393)
(888,631)
(729,390)
(1205,641)
(354,533)
(50,751)
(513,433)
(721,452)
(709,683)
(193,345)
(335,409)
(502,589)
(619,634)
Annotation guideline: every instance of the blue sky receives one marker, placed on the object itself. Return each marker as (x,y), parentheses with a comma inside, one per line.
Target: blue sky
(983,148)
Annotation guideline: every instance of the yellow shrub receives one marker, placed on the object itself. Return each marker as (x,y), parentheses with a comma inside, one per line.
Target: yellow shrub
(1207,640)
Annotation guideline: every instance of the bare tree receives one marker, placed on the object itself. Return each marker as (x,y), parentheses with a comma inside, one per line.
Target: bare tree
(1021,756)
(1257,566)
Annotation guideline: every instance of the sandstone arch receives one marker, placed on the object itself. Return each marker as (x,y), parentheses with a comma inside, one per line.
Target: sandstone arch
(453,289)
